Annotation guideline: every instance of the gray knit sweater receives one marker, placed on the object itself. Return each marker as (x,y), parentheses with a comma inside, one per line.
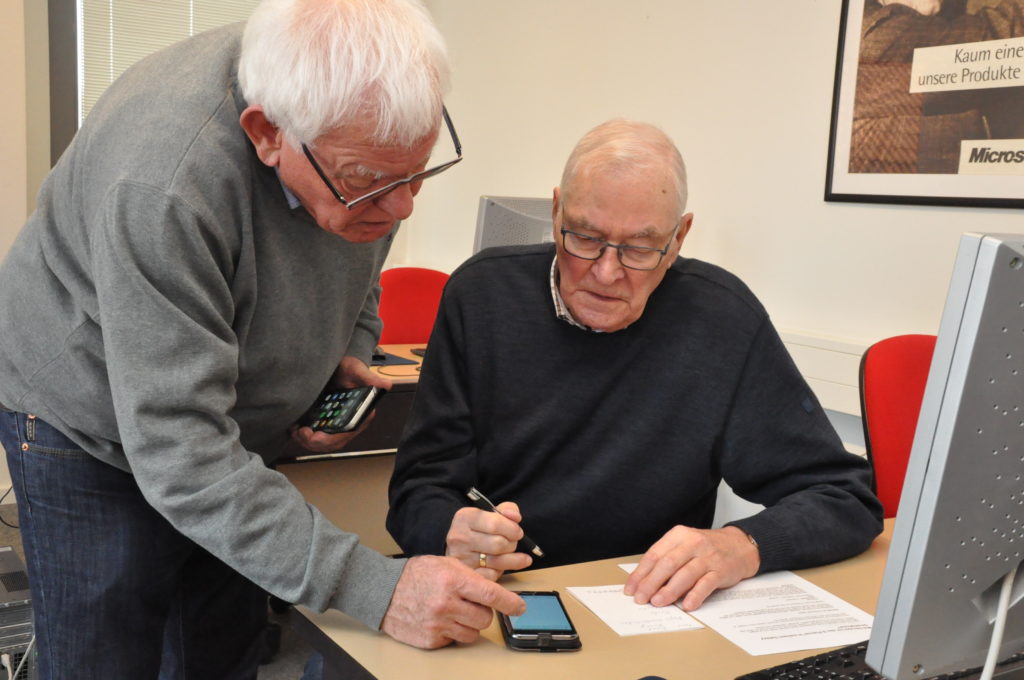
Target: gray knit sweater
(166,309)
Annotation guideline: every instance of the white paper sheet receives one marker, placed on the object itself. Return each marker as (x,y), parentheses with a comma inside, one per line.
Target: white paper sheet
(781,612)
(626,617)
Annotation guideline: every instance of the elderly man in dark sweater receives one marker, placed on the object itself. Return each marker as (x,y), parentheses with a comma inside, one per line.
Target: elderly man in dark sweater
(604,386)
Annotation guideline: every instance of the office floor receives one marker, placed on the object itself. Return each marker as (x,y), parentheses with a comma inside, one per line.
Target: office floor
(286,665)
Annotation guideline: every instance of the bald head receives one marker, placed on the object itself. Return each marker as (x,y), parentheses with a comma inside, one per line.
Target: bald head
(625,148)
(617,222)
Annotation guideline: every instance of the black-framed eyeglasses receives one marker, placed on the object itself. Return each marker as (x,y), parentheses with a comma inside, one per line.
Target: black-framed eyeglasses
(642,258)
(351,203)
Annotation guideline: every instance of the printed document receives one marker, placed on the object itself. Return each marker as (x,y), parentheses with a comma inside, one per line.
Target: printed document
(781,612)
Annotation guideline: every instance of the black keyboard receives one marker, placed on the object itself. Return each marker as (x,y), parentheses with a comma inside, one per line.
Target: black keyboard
(847,663)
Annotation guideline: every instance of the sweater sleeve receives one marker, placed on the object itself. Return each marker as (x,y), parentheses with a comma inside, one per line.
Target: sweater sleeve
(163,286)
(780,450)
(436,460)
(366,333)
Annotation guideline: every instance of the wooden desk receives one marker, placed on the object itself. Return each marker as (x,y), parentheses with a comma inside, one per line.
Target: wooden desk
(351,487)
(351,492)
(404,376)
(352,651)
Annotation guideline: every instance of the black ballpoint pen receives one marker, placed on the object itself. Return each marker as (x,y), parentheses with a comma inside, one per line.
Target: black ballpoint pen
(481,501)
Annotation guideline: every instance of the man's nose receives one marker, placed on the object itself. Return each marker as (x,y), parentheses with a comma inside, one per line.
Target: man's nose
(398,203)
(607,268)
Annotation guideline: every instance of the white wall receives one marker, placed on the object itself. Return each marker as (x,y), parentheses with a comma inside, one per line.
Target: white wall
(745,90)
(13,143)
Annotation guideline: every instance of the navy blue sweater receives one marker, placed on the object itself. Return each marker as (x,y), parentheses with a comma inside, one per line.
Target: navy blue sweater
(608,440)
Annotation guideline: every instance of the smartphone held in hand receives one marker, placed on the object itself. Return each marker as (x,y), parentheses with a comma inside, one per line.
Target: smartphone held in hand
(342,410)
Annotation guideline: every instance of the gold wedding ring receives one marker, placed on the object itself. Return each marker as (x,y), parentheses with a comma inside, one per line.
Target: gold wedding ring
(483,560)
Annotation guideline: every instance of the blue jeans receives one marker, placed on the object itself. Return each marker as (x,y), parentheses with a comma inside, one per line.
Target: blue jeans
(117,592)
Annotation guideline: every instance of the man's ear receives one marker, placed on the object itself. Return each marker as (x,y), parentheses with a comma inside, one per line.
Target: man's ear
(684,226)
(264,135)
(556,197)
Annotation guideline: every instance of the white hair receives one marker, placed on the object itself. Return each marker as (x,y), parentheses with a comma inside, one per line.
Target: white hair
(315,65)
(623,145)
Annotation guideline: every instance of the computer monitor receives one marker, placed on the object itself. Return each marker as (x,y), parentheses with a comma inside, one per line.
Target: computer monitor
(510,220)
(960,524)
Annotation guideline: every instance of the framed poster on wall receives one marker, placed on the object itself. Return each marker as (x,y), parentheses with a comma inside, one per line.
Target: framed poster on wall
(928,106)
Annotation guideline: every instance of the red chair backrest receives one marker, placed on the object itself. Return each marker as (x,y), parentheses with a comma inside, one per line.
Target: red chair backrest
(893,373)
(409,299)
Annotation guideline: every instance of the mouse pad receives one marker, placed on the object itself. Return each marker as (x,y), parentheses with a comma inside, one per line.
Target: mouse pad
(392,360)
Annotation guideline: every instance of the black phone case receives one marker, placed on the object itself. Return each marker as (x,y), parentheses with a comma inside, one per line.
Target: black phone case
(544,641)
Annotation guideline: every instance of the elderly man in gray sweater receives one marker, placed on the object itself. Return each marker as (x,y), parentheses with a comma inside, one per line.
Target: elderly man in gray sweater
(202,261)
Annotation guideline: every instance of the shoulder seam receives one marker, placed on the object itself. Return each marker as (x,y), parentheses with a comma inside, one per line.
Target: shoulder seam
(744,295)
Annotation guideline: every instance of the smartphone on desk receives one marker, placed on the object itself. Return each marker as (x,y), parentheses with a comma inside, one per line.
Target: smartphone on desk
(544,626)
(342,410)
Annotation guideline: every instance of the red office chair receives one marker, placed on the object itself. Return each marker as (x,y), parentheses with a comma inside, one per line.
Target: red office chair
(893,373)
(409,299)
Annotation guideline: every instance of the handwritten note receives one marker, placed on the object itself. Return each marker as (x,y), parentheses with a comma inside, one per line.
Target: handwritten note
(626,617)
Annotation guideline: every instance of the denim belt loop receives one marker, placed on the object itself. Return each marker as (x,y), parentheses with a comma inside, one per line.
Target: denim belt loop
(30,430)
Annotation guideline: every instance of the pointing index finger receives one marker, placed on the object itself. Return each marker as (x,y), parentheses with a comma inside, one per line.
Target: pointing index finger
(490,594)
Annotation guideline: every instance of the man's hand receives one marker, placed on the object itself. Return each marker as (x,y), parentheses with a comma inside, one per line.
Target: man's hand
(318,441)
(475,532)
(352,372)
(694,563)
(925,7)
(438,601)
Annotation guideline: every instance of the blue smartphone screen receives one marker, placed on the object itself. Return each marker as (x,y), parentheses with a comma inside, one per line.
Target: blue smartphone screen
(543,612)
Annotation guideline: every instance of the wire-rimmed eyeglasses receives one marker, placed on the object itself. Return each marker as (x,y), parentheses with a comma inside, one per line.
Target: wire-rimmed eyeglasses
(642,258)
(351,203)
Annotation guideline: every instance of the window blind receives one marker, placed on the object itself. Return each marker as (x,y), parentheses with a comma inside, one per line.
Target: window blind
(114,34)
